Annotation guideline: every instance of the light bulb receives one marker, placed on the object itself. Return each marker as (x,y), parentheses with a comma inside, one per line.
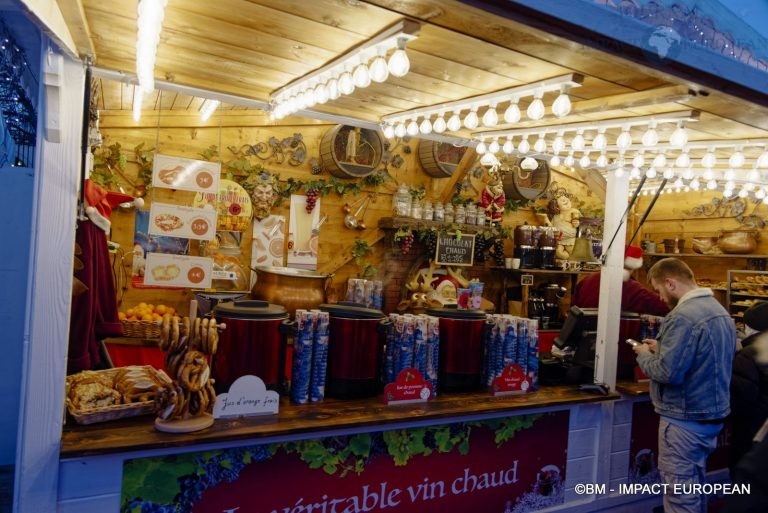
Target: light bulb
(695,184)
(688,173)
(489,159)
(398,62)
(400,130)
(602,161)
(425,127)
(624,140)
(524,146)
(650,137)
(389,131)
(321,93)
(569,161)
(562,105)
(491,117)
(554,161)
(708,174)
(765,200)
(743,193)
(683,160)
(558,145)
(760,193)
(577,143)
(712,185)
(709,160)
(346,84)
(378,68)
(635,173)
(412,128)
(508,147)
(439,125)
(736,160)
(535,109)
(333,89)
(600,142)
(361,76)
(650,172)
(659,161)
(529,164)
(762,160)
(481,148)
(494,146)
(454,123)
(730,184)
(512,114)
(753,175)
(309,97)
(678,183)
(668,173)
(540,146)
(585,161)
(729,174)
(471,121)
(679,137)
(749,186)
(619,172)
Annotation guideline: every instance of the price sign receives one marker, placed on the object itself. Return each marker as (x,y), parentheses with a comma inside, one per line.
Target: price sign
(185,222)
(178,271)
(526,279)
(185,174)
(455,249)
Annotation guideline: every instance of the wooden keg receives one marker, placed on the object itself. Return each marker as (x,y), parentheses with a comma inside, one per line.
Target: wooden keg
(523,184)
(350,152)
(440,159)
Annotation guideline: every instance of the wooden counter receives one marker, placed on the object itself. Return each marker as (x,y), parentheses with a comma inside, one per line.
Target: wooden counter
(139,433)
(633,388)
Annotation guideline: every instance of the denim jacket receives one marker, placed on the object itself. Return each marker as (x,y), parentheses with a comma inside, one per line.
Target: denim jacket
(691,370)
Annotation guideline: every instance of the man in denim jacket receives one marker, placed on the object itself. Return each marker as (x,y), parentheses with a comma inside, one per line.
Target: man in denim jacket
(690,371)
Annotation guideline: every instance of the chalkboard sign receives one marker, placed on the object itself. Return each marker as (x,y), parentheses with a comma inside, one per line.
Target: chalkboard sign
(453,250)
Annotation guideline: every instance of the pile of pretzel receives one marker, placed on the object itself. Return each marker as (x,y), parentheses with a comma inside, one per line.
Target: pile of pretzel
(187,344)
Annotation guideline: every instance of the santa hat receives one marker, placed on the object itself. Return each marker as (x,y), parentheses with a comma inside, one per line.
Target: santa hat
(633,257)
(101,202)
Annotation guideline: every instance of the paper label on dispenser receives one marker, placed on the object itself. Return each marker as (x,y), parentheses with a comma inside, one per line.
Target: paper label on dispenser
(409,387)
(247,396)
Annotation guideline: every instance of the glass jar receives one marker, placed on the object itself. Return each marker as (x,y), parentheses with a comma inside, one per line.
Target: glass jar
(460,215)
(401,202)
(416,209)
(427,212)
(481,216)
(471,214)
(439,212)
(448,216)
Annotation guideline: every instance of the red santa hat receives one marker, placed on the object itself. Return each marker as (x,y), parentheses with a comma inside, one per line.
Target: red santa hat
(101,202)
(633,257)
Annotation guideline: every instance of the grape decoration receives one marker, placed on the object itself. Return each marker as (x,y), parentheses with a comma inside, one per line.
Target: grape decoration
(312,195)
(497,251)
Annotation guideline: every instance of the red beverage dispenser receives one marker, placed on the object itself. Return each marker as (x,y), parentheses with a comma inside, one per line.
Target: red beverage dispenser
(462,340)
(355,350)
(252,343)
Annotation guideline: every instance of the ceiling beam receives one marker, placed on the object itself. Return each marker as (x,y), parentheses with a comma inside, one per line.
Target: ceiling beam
(47,15)
(74,16)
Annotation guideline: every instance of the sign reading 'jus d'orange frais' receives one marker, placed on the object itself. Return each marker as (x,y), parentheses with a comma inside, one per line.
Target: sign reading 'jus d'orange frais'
(508,465)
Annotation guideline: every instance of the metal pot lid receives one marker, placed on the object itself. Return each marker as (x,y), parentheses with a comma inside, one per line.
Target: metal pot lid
(250,309)
(289,271)
(351,310)
(456,313)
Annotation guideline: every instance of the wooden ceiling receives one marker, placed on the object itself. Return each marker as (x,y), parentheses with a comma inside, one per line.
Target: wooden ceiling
(250,48)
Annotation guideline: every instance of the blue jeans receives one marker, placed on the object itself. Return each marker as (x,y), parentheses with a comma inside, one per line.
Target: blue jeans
(682,459)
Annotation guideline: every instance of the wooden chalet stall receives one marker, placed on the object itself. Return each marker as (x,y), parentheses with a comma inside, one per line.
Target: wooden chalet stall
(516,452)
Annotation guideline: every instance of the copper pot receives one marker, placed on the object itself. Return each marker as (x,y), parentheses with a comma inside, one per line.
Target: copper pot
(289,287)
(738,242)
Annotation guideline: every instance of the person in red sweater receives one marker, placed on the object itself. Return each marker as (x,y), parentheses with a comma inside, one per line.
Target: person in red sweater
(634,296)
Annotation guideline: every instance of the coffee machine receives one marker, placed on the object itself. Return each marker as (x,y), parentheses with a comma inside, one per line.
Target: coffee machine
(552,294)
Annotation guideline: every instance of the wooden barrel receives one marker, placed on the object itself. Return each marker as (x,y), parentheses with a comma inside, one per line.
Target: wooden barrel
(350,152)
(440,159)
(524,184)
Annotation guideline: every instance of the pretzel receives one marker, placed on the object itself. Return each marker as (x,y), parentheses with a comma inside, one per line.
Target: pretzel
(195,339)
(213,337)
(165,333)
(204,335)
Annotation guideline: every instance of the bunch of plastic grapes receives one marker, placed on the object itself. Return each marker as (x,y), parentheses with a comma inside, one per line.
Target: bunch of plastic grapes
(312,195)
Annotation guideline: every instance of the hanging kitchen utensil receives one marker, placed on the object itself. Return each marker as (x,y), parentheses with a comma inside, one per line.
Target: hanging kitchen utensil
(347,208)
(361,220)
(351,220)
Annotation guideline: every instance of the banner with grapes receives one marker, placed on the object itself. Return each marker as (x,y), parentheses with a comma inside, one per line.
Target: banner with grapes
(507,465)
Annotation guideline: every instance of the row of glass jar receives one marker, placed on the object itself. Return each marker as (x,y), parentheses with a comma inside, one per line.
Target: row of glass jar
(471,214)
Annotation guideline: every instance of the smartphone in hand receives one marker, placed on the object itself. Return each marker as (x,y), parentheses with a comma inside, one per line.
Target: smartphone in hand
(632,342)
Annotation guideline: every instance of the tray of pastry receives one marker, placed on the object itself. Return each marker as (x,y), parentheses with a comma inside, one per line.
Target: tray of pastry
(111,394)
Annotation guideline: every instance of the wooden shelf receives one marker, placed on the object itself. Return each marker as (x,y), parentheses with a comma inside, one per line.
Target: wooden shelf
(394,223)
(699,255)
(543,271)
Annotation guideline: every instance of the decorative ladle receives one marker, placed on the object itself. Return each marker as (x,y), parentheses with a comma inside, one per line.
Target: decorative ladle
(351,220)
(361,222)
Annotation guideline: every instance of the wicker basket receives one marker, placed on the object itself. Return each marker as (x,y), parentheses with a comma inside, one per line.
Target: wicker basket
(141,329)
(113,412)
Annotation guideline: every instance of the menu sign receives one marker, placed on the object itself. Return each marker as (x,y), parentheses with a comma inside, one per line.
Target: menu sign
(455,249)
(178,271)
(185,174)
(186,222)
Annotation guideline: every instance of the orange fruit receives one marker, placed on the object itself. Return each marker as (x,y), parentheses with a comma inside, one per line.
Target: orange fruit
(131,312)
(121,316)
(146,317)
(161,309)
